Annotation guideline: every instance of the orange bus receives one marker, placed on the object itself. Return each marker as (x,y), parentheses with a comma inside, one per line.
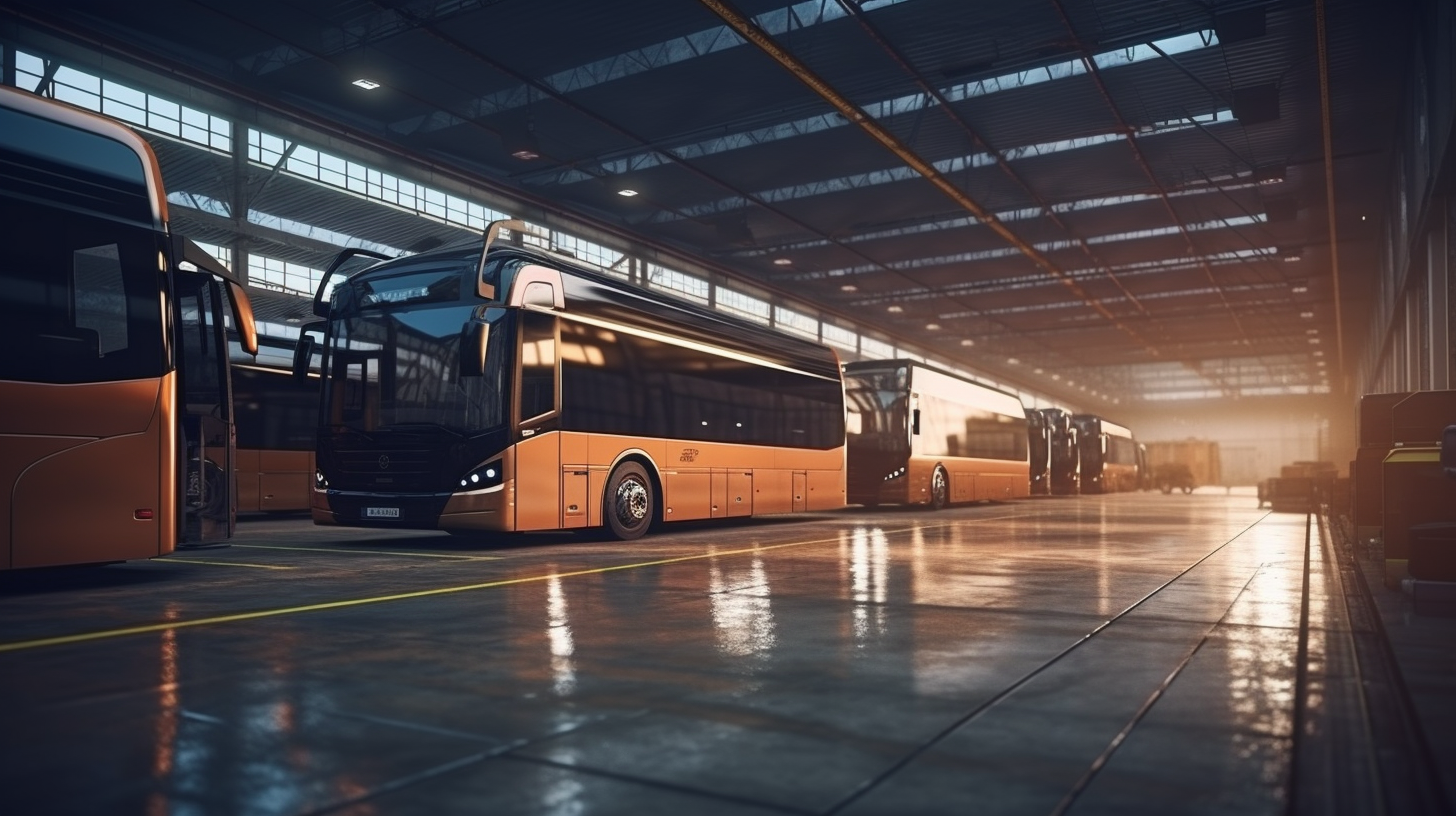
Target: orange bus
(502,387)
(918,435)
(115,412)
(277,418)
(1108,454)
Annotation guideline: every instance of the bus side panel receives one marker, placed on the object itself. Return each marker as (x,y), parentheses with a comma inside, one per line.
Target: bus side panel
(575,477)
(46,528)
(917,479)
(16,454)
(687,494)
(1119,478)
(246,475)
(739,496)
(284,480)
(773,491)
(826,489)
(538,482)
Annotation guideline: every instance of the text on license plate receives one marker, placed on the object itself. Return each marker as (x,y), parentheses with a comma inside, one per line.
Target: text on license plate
(381,512)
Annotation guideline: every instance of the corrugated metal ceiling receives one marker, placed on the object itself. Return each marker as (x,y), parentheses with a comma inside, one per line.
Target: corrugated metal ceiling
(739,163)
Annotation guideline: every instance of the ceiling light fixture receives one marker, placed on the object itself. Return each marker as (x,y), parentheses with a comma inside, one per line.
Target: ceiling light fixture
(782,262)
(366,84)
(1291,258)
(1012,361)
(968,342)
(626,193)
(849,287)
(932,327)
(1269,175)
(1307,315)
(895,309)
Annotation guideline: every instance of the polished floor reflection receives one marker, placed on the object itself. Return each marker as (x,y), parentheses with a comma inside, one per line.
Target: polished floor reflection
(1120,654)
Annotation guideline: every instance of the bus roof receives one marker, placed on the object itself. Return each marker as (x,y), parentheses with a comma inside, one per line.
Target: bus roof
(1107,426)
(592,290)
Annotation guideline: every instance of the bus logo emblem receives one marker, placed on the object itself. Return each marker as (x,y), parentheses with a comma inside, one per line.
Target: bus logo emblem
(384,463)
(688,455)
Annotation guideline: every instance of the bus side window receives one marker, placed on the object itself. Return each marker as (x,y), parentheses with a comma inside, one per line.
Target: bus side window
(538,364)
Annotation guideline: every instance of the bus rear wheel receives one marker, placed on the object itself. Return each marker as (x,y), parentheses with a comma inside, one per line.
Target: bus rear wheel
(629,503)
(939,489)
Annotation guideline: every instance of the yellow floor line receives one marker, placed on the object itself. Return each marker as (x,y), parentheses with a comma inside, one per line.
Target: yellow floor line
(169,559)
(103,634)
(449,556)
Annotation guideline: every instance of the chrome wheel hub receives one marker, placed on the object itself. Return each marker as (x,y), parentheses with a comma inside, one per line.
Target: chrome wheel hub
(631,502)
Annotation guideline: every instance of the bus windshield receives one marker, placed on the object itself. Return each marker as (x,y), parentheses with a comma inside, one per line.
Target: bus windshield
(394,363)
(879,399)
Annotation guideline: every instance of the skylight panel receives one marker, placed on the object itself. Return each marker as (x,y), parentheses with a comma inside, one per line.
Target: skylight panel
(898,106)
(947,167)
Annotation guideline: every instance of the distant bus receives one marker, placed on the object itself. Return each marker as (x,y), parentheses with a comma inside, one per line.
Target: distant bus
(918,435)
(503,387)
(115,413)
(1109,455)
(1039,435)
(1066,463)
(277,422)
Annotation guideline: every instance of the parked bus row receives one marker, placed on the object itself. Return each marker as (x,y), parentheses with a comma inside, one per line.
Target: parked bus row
(495,386)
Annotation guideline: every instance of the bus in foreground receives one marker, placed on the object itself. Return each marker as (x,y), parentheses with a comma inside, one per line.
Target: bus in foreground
(115,412)
(1108,453)
(501,387)
(917,435)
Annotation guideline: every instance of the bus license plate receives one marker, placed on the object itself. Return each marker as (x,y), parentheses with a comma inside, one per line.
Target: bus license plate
(381,512)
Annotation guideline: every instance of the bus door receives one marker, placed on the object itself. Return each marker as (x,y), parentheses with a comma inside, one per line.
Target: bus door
(205,446)
(539,475)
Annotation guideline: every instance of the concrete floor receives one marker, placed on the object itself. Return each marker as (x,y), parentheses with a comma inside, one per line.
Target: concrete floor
(1133,653)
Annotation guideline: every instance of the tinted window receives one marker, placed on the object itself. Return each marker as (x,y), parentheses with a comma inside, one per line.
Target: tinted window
(1121,451)
(80,298)
(395,365)
(274,411)
(538,364)
(614,382)
(951,429)
(83,171)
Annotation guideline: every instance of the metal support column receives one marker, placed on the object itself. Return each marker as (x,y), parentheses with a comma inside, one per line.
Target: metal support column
(1438,295)
(238,206)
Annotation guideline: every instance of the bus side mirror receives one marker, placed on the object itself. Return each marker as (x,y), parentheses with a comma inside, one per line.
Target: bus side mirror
(1448,451)
(304,350)
(302,354)
(472,349)
(915,422)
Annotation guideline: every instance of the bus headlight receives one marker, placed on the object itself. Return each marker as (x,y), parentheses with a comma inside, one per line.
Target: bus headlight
(319,482)
(489,474)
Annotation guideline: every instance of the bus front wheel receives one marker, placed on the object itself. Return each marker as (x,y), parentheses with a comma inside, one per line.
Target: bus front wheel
(630,505)
(939,489)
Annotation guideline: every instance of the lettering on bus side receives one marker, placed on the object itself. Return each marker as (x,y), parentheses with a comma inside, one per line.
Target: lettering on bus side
(688,455)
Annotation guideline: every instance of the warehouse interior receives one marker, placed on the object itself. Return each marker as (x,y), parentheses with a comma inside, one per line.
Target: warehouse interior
(1217,221)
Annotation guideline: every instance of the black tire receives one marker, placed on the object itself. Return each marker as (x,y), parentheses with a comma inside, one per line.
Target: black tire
(939,489)
(629,505)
